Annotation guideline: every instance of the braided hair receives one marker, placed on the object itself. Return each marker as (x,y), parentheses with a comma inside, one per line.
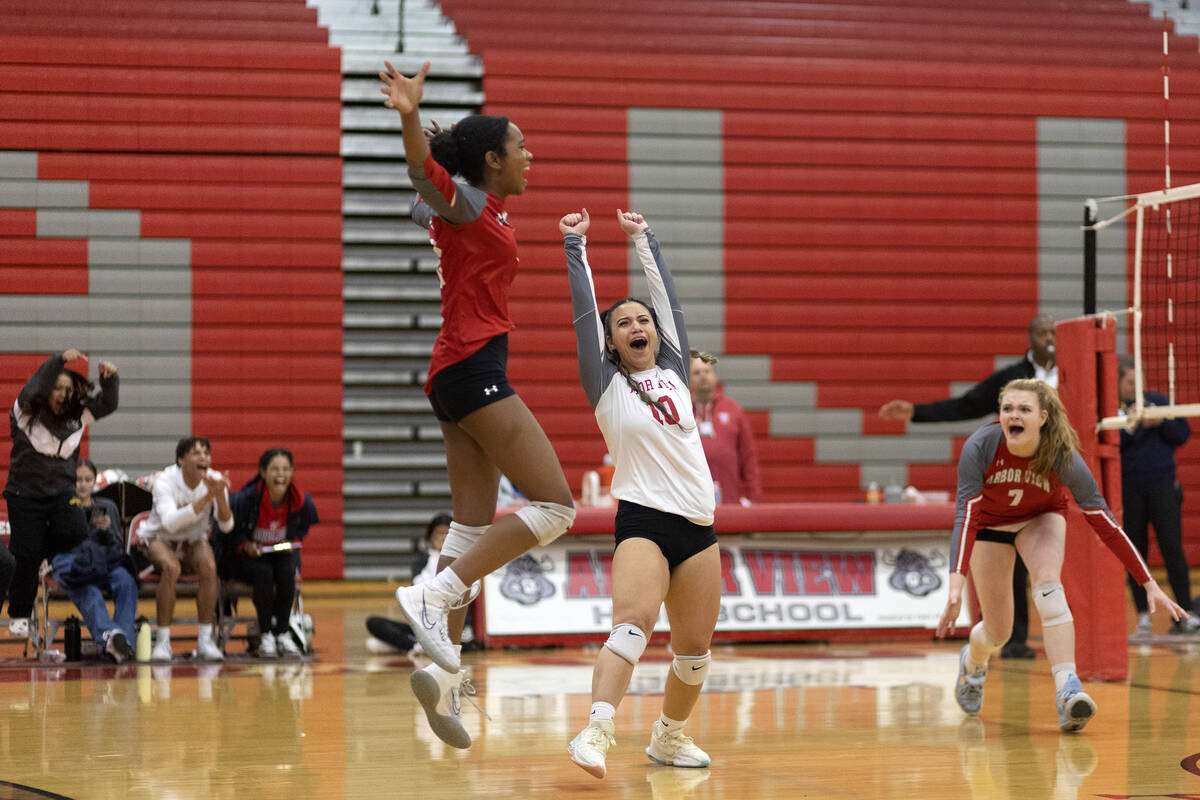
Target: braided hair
(615,359)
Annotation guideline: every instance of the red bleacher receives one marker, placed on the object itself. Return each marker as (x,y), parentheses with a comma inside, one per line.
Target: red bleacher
(219,122)
(895,144)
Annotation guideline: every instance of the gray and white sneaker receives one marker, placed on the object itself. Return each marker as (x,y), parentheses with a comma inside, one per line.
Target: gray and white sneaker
(968,689)
(441,694)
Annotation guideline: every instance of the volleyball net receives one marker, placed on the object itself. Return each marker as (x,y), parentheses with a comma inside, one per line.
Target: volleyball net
(1164,318)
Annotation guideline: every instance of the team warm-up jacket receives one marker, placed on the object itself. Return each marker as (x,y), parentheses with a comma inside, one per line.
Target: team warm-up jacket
(995,488)
(477,252)
(1148,454)
(43,458)
(659,461)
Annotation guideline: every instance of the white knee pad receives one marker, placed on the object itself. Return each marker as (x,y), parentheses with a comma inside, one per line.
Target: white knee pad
(692,670)
(628,641)
(1051,603)
(547,521)
(460,538)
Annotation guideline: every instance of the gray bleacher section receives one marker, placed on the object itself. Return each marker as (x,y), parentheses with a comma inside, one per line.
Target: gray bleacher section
(394,462)
(137,313)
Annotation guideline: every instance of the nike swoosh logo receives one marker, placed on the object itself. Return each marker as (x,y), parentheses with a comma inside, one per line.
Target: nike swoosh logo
(425,616)
(696,668)
(632,633)
(1047,594)
(455,706)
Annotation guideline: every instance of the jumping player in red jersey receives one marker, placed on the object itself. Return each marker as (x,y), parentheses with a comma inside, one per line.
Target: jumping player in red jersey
(1013,479)
(488,430)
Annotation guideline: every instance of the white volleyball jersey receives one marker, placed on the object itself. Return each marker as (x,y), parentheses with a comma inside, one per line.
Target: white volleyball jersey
(658,458)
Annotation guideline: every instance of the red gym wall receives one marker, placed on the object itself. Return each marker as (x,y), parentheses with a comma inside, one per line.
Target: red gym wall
(219,123)
(880,174)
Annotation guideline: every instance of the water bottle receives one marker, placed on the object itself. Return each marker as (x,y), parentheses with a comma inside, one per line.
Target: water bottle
(72,639)
(590,496)
(873,495)
(893,493)
(143,648)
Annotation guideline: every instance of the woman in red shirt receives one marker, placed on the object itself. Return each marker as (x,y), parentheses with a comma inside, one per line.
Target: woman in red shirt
(487,428)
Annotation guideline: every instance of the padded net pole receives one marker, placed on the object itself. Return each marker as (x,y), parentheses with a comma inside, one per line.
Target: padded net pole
(1093,577)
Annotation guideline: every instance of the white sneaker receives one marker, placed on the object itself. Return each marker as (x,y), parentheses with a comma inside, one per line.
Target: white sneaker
(266,646)
(674,748)
(287,646)
(207,650)
(1144,626)
(590,747)
(426,610)
(440,694)
(162,651)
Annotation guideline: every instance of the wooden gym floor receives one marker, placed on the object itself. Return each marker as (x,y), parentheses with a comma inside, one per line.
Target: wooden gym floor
(872,720)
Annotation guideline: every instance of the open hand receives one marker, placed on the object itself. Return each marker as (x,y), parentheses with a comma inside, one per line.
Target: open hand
(953,605)
(575,223)
(403,94)
(1156,596)
(107,369)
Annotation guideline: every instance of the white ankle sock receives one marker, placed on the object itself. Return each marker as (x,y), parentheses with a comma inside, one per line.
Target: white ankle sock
(671,724)
(602,710)
(163,633)
(1062,672)
(204,634)
(448,582)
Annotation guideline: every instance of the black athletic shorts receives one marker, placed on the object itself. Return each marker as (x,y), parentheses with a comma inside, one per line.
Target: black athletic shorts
(478,380)
(678,539)
(1000,537)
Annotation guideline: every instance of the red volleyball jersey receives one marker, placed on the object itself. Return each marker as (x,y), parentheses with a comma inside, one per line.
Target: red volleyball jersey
(478,263)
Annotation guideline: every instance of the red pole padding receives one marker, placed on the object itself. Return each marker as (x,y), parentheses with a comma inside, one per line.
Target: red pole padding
(1092,576)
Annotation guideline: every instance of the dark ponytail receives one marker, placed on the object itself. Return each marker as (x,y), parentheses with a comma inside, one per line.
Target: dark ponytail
(461,150)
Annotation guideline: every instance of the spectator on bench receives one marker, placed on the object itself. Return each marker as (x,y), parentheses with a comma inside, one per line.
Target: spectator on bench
(187,495)
(268,511)
(99,564)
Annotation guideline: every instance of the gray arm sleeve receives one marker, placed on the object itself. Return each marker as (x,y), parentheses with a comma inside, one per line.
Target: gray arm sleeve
(674,351)
(595,370)
(1081,484)
(466,204)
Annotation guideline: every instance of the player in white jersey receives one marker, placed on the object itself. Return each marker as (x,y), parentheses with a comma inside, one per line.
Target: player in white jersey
(634,366)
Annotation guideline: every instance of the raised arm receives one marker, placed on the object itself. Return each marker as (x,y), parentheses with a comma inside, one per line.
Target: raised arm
(671,329)
(595,370)
(435,186)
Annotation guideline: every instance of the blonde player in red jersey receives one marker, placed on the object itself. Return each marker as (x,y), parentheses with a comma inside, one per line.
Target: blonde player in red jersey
(487,428)
(1013,480)
(634,364)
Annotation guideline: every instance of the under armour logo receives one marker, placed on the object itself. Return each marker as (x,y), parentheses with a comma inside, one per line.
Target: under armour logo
(487,392)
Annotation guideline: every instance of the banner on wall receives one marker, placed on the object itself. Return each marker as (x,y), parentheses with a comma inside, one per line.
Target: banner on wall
(895,580)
